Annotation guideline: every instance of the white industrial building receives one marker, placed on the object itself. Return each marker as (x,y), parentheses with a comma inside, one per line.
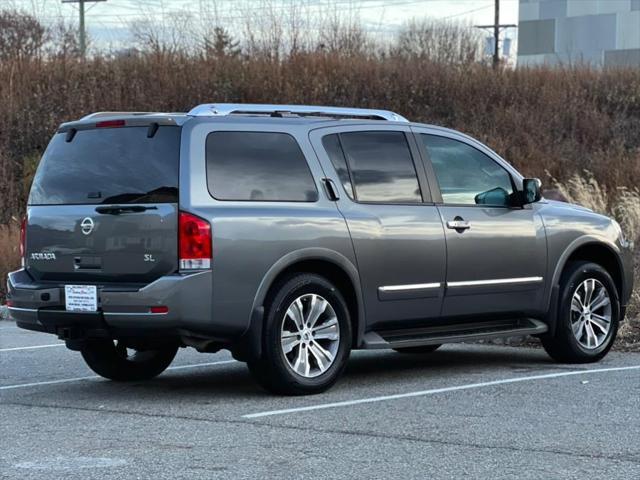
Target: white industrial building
(597,32)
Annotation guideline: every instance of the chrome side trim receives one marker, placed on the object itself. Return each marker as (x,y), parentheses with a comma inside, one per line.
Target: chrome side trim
(500,281)
(20,309)
(224,109)
(414,286)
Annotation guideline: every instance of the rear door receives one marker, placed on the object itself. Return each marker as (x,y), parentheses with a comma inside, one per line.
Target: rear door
(104,205)
(395,228)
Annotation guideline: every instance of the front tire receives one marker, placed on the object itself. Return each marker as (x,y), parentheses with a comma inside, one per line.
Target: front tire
(588,315)
(307,337)
(111,359)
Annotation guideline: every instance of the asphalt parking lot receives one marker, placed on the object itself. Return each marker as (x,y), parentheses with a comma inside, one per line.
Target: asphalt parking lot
(464,411)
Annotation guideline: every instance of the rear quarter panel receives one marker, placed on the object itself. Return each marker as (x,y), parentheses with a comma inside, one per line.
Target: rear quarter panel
(249,238)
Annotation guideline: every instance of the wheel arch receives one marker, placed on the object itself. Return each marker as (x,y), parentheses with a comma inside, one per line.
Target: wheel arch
(588,248)
(330,264)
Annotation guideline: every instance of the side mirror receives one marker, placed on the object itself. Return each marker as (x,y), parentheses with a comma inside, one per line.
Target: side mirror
(531,190)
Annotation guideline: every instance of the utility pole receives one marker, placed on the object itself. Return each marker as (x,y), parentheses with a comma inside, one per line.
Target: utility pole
(496,27)
(496,34)
(82,32)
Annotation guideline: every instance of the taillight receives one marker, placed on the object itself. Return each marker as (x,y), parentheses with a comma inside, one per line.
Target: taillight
(194,242)
(23,240)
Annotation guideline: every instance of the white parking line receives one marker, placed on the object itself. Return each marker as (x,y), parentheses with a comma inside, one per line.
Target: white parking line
(93,377)
(34,347)
(50,382)
(436,390)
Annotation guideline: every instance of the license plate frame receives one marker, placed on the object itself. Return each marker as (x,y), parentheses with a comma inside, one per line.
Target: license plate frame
(81,298)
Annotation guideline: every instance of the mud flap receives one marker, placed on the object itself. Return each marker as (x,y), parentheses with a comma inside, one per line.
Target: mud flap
(249,346)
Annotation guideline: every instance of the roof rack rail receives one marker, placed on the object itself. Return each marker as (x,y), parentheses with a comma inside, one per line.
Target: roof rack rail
(223,109)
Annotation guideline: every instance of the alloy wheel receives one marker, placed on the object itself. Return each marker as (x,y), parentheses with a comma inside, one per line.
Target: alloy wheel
(591,313)
(310,335)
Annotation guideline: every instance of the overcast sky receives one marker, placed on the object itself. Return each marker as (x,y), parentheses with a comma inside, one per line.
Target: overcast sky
(108,22)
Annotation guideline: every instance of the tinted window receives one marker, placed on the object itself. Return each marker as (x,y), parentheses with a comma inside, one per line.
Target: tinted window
(466,175)
(109,165)
(381,167)
(258,166)
(332,145)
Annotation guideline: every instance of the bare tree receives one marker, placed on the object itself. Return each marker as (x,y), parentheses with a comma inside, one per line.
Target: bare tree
(342,32)
(63,41)
(440,41)
(21,36)
(172,34)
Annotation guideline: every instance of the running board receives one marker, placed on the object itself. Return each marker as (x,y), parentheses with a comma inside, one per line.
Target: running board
(463,332)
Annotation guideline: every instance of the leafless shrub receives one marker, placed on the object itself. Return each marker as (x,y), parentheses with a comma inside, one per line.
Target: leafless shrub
(10,252)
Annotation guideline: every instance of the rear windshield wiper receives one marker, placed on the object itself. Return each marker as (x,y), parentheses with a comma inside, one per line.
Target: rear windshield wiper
(118,209)
(161,194)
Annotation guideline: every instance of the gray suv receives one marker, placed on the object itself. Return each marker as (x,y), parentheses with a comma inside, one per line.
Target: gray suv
(291,235)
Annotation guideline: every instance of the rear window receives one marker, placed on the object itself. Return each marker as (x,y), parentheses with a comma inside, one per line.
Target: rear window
(109,165)
(381,167)
(258,166)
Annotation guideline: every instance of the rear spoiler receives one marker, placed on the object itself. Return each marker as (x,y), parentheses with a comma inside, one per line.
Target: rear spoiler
(122,119)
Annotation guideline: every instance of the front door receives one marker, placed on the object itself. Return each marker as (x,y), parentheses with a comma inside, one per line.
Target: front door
(496,249)
(395,228)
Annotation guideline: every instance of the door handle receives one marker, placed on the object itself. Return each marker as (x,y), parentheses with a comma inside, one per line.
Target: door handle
(458,224)
(331,189)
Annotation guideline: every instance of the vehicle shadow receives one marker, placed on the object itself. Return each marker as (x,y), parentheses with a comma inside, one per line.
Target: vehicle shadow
(212,385)
(231,383)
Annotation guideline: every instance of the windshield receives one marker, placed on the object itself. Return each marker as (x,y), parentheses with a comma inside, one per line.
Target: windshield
(109,165)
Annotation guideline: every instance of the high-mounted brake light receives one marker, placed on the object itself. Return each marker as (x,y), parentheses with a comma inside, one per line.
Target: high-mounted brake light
(110,124)
(194,242)
(23,240)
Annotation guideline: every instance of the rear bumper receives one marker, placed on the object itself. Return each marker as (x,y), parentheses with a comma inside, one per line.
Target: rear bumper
(41,306)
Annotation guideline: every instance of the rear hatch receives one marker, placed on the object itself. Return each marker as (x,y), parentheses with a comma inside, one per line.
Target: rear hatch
(103,205)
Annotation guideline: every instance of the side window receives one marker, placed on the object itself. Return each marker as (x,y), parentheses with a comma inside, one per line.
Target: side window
(258,166)
(466,175)
(381,167)
(331,144)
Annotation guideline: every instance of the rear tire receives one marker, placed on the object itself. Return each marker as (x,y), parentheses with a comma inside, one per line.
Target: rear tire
(418,350)
(307,337)
(110,359)
(588,315)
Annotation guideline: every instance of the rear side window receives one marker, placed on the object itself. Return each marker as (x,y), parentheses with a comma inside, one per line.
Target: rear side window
(109,165)
(258,166)
(331,144)
(381,167)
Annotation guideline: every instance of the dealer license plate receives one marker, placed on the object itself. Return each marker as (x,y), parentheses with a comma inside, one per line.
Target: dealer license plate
(81,298)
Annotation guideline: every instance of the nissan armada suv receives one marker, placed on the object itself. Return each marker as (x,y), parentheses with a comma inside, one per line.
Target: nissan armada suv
(291,235)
